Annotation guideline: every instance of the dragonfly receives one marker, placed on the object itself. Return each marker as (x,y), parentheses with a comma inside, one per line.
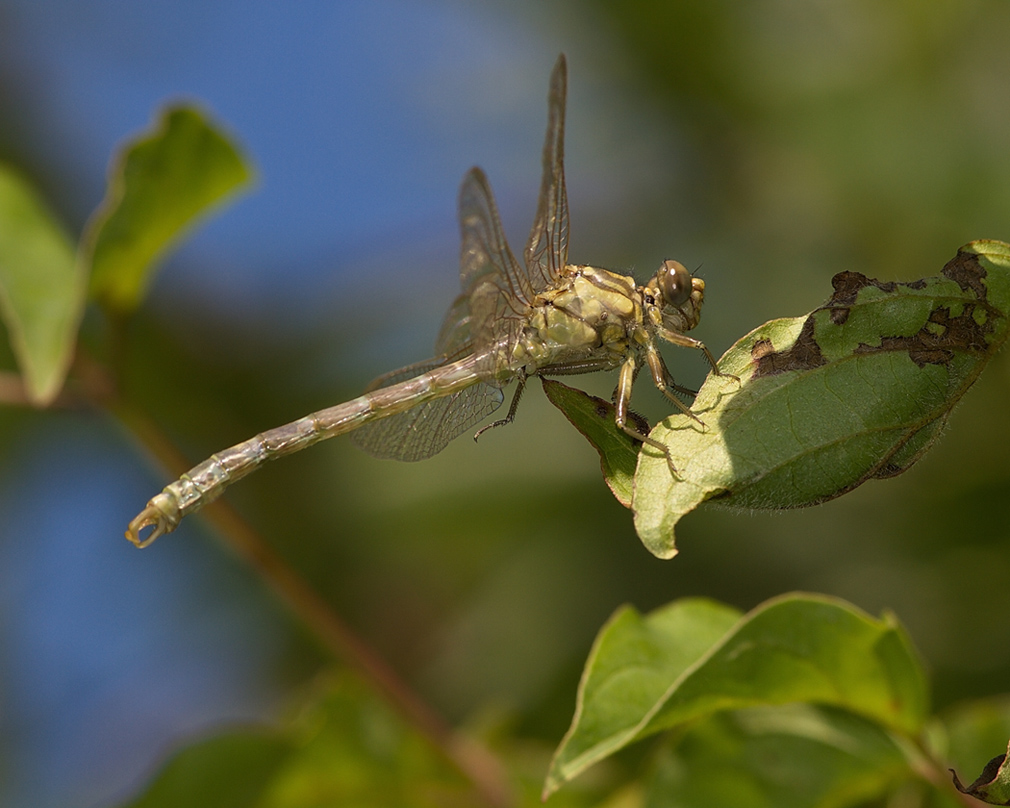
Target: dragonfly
(511,322)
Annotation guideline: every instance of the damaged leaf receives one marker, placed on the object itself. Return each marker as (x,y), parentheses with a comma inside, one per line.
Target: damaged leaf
(859,388)
(992,785)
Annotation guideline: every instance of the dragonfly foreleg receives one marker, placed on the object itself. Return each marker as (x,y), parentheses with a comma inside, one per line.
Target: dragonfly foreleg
(685,341)
(511,416)
(622,398)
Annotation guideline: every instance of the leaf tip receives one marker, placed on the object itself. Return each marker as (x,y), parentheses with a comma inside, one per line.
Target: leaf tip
(161,182)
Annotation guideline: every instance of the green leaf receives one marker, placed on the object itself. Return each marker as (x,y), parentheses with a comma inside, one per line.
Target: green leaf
(859,388)
(794,756)
(41,288)
(345,747)
(227,771)
(689,660)
(594,418)
(160,184)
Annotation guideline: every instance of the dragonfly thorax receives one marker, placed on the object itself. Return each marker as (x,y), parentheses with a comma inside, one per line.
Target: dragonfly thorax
(590,314)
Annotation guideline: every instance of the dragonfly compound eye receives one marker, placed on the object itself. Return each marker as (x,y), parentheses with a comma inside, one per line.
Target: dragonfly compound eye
(674,282)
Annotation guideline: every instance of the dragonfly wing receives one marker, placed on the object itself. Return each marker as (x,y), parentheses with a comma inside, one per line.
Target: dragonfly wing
(404,373)
(497,292)
(454,337)
(425,430)
(547,248)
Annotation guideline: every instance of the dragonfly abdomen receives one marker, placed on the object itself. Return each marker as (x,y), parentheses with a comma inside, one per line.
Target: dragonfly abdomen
(206,482)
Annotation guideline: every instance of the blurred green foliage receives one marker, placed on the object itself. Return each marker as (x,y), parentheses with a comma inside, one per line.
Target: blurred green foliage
(159,183)
(41,287)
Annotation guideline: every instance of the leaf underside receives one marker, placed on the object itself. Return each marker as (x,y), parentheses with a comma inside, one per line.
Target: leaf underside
(594,418)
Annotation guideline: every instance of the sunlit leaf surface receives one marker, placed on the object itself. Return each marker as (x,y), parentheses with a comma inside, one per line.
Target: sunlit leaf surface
(41,287)
(693,658)
(160,184)
(857,389)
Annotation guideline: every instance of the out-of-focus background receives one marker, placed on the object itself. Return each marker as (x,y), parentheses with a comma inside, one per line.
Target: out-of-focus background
(769,144)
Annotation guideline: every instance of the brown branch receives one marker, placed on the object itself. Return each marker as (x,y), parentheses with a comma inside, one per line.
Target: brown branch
(12,390)
(88,385)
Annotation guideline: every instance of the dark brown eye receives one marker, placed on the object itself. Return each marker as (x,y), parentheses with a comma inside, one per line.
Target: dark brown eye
(674,282)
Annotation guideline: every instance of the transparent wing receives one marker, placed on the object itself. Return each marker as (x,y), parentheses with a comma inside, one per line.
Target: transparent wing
(547,248)
(425,430)
(497,292)
(454,336)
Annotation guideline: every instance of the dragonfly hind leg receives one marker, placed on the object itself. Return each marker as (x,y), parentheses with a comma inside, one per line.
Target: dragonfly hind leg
(511,416)
(670,384)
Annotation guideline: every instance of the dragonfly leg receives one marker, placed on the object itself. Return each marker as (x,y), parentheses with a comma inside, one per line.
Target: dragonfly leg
(670,384)
(576,368)
(508,419)
(685,341)
(622,398)
(621,388)
(660,375)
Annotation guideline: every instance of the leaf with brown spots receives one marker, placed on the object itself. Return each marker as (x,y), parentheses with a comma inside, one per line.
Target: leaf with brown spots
(859,388)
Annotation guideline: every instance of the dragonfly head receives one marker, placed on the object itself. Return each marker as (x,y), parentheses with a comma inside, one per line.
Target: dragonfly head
(675,296)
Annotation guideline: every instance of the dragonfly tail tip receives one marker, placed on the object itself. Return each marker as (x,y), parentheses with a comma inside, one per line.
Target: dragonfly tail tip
(151,516)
